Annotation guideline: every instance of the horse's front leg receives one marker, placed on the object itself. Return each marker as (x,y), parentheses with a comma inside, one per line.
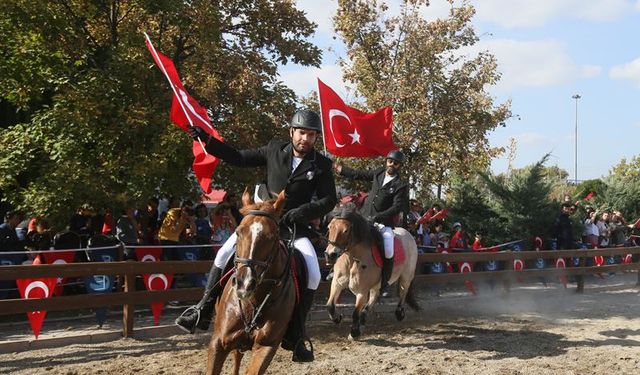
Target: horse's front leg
(356,327)
(216,357)
(336,288)
(237,360)
(261,357)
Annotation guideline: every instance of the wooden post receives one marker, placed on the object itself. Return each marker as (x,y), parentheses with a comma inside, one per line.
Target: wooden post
(580,278)
(128,310)
(506,282)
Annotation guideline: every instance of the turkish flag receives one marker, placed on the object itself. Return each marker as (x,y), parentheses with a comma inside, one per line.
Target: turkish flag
(351,132)
(59,257)
(154,281)
(185,112)
(36,288)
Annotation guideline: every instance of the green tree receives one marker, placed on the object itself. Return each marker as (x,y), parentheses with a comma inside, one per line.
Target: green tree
(522,202)
(468,202)
(623,189)
(442,113)
(94,110)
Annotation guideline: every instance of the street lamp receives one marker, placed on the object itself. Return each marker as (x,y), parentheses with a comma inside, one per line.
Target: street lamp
(575,176)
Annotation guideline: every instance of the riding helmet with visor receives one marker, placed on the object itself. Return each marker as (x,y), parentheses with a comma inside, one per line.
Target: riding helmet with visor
(305,119)
(396,155)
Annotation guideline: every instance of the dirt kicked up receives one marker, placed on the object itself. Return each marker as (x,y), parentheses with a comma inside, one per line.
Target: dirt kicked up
(533,331)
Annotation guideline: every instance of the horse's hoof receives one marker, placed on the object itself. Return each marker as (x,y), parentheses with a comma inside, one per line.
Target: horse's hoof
(400,314)
(351,338)
(336,319)
(355,333)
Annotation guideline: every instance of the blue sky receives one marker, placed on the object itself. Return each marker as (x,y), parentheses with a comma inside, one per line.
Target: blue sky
(547,51)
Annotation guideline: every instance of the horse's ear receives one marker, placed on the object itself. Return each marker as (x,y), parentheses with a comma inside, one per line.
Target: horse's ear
(246,197)
(279,203)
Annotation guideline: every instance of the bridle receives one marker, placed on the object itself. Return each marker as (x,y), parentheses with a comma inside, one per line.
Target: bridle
(341,249)
(251,324)
(253,263)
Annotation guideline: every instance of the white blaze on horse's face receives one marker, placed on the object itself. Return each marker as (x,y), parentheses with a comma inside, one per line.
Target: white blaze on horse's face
(249,282)
(255,228)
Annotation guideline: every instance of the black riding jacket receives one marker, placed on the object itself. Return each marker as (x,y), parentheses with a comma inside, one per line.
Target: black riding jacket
(312,177)
(383,202)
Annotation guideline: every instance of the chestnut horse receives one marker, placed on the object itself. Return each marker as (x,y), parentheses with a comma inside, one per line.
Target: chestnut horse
(255,308)
(351,239)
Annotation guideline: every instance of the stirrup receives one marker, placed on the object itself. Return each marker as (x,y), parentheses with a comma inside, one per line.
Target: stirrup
(197,312)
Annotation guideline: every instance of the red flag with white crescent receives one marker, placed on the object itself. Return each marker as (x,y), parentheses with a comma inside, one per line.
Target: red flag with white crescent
(186,111)
(59,257)
(348,131)
(154,281)
(36,288)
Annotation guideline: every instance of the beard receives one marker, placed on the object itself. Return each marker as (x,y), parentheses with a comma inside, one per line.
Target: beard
(392,171)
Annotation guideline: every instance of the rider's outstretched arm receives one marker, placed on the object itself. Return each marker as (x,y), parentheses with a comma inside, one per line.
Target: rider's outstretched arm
(239,158)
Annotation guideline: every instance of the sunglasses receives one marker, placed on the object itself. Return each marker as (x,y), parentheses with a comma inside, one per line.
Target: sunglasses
(393,162)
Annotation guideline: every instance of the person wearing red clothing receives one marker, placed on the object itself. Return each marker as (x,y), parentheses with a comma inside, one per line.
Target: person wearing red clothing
(477,244)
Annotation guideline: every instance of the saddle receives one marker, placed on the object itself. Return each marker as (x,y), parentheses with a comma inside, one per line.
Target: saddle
(298,267)
(377,251)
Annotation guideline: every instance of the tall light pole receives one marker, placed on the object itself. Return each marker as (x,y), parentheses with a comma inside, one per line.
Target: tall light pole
(575,176)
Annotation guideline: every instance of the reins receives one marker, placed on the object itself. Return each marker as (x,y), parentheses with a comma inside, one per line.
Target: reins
(282,280)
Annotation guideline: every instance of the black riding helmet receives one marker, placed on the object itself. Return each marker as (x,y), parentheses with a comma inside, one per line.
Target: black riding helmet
(306,119)
(396,155)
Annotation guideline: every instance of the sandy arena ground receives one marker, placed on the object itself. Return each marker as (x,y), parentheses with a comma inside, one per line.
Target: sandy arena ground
(536,330)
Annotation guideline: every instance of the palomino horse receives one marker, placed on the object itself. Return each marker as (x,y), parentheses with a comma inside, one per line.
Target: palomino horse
(254,310)
(351,239)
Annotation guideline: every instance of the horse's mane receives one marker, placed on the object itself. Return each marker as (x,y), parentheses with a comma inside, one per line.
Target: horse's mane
(262,206)
(361,229)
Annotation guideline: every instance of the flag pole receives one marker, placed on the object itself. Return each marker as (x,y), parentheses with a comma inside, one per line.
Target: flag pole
(324,139)
(157,58)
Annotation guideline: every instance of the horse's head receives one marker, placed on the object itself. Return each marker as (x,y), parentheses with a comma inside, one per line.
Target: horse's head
(343,231)
(339,238)
(257,243)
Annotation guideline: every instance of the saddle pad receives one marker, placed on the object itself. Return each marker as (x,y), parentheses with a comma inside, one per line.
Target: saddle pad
(398,253)
(299,273)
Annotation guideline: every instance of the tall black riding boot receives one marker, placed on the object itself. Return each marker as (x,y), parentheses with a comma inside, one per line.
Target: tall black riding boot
(295,338)
(200,315)
(387,270)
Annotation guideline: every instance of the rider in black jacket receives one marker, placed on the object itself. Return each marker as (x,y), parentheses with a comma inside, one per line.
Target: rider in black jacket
(389,196)
(295,167)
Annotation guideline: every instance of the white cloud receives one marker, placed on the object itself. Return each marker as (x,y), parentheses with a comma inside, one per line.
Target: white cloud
(320,12)
(527,13)
(436,9)
(303,80)
(629,71)
(539,63)
(638,6)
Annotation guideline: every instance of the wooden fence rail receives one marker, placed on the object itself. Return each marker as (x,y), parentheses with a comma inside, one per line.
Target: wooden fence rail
(128,271)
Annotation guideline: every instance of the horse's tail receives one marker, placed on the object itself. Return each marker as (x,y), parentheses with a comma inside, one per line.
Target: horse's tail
(410,298)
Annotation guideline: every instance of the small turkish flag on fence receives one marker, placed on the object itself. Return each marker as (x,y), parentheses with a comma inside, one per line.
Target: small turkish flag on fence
(186,111)
(36,288)
(351,132)
(154,281)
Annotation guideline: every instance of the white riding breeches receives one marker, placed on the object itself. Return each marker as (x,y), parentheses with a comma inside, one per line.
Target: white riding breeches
(387,239)
(303,244)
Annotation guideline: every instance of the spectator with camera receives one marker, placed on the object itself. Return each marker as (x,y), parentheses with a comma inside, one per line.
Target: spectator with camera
(177,221)
(223,223)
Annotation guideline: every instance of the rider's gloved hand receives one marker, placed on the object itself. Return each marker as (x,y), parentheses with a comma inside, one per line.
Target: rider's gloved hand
(292,216)
(197,132)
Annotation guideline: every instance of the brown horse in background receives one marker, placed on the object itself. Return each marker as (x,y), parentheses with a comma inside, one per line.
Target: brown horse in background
(351,239)
(254,310)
